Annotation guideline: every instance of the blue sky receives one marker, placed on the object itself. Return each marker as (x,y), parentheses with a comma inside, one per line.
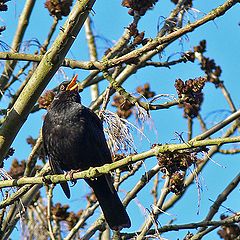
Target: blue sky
(110,19)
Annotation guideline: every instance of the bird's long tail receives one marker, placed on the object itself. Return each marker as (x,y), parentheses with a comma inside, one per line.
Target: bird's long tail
(113,210)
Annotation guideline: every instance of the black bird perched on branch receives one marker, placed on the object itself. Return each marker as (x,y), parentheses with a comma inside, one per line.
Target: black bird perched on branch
(73,139)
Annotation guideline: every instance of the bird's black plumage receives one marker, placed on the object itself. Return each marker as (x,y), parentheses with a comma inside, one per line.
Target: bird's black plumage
(73,139)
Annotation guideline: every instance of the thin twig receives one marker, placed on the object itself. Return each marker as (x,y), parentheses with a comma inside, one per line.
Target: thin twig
(97,171)
(16,43)
(32,158)
(49,207)
(221,198)
(151,219)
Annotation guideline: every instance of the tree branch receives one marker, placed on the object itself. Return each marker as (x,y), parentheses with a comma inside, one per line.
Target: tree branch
(97,171)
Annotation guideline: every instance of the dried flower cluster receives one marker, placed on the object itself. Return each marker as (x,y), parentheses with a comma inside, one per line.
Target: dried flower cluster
(58,8)
(139,6)
(187,4)
(61,213)
(201,48)
(17,169)
(208,65)
(145,91)
(230,232)
(124,107)
(45,100)
(3,8)
(175,164)
(176,184)
(189,56)
(191,92)
(138,38)
(3,5)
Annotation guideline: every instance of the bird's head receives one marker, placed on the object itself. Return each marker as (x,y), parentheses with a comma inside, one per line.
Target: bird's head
(68,91)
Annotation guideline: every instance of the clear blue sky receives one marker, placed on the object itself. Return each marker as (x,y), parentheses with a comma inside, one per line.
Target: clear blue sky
(223,38)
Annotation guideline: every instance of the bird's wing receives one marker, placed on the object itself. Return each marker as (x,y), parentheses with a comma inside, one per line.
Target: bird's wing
(56,169)
(97,138)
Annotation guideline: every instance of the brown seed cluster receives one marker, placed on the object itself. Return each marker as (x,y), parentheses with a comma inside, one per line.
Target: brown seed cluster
(45,100)
(139,6)
(175,163)
(209,66)
(124,107)
(201,48)
(3,5)
(189,56)
(230,232)
(191,92)
(61,213)
(17,169)
(58,8)
(138,37)
(176,184)
(145,91)
(3,8)
(187,4)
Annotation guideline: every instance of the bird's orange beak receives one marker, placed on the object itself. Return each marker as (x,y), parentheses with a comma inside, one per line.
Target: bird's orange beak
(73,84)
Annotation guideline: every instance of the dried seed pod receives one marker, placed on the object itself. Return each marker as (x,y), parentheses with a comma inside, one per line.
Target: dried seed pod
(191,91)
(124,107)
(145,91)
(187,3)
(176,183)
(201,48)
(58,8)
(139,6)
(3,5)
(232,231)
(174,162)
(17,169)
(45,100)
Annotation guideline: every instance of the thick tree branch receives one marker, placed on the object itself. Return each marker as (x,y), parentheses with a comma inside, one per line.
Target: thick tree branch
(97,171)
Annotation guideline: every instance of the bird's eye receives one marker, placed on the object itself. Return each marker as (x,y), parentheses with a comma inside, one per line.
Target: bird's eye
(62,88)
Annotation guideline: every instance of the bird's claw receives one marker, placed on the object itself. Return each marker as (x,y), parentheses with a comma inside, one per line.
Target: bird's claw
(46,180)
(70,174)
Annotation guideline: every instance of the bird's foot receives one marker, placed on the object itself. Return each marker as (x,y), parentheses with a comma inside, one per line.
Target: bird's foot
(46,180)
(70,174)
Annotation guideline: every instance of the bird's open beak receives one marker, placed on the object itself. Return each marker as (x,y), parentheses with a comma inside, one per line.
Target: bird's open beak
(73,84)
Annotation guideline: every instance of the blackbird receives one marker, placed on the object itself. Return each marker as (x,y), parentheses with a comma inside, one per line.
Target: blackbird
(73,139)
